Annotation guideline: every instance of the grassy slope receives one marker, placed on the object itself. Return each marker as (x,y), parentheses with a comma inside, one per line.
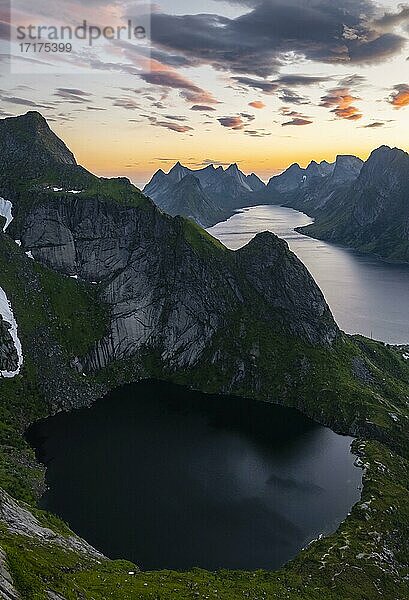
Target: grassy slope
(366,553)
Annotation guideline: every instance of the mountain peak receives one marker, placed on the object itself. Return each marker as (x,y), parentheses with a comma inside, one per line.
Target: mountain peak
(27,144)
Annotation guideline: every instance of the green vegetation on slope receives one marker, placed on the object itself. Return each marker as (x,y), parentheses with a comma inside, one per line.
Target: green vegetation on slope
(59,319)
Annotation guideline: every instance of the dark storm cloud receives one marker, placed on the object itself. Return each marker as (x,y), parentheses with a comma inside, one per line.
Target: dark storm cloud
(255,42)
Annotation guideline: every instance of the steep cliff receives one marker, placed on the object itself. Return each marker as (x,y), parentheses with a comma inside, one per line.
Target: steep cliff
(372,213)
(8,352)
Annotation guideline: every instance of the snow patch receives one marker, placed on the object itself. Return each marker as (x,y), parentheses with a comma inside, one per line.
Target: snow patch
(5,211)
(405,356)
(74,276)
(18,242)
(57,189)
(8,316)
(29,255)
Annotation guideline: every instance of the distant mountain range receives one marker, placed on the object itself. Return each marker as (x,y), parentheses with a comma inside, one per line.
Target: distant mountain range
(364,205)
(207,195)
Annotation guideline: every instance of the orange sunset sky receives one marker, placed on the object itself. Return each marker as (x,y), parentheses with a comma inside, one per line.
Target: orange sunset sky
(263,83)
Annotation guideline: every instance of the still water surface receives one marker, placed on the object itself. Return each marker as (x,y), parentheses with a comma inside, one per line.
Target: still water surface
(366,295)
(175,479)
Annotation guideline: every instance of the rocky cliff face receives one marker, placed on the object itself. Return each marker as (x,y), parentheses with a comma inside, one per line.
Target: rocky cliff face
(170,286)
(372,212)
(8,352)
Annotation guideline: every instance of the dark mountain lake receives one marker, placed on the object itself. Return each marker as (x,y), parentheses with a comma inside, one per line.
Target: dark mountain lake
(366,295)
(170,478)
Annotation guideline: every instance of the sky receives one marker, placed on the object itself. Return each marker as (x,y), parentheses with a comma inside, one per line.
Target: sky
(263,83)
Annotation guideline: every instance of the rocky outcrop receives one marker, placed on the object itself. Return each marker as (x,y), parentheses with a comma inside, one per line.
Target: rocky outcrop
(18,520)
(11,354)
(8,352)
(284,284)
(7,589)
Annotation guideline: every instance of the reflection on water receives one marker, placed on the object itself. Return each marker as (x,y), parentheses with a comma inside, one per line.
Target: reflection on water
(174,479)
(366,295)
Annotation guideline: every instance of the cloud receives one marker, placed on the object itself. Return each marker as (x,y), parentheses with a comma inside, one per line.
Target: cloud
(210,161)
(24,102)
(171,126)
(256,43)
(73,95)
(296,117)
(374,125)
(202,108)
(257,132)
(300,80)
(267,87)
(400,96)
(165,76)
(340,101)
(232,122)
(390,20)
(175,118)
(257,104)
(127,103)
(290,97)
(297,121)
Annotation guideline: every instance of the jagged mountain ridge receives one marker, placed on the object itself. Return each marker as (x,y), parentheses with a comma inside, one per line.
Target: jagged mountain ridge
(310,188)
(371,214)
(219,193)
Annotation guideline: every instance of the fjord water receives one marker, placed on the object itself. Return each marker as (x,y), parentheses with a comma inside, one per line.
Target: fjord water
(366,295)
(175,479)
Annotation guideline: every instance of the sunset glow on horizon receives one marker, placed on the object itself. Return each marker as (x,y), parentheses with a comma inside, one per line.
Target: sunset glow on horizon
(313,81)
